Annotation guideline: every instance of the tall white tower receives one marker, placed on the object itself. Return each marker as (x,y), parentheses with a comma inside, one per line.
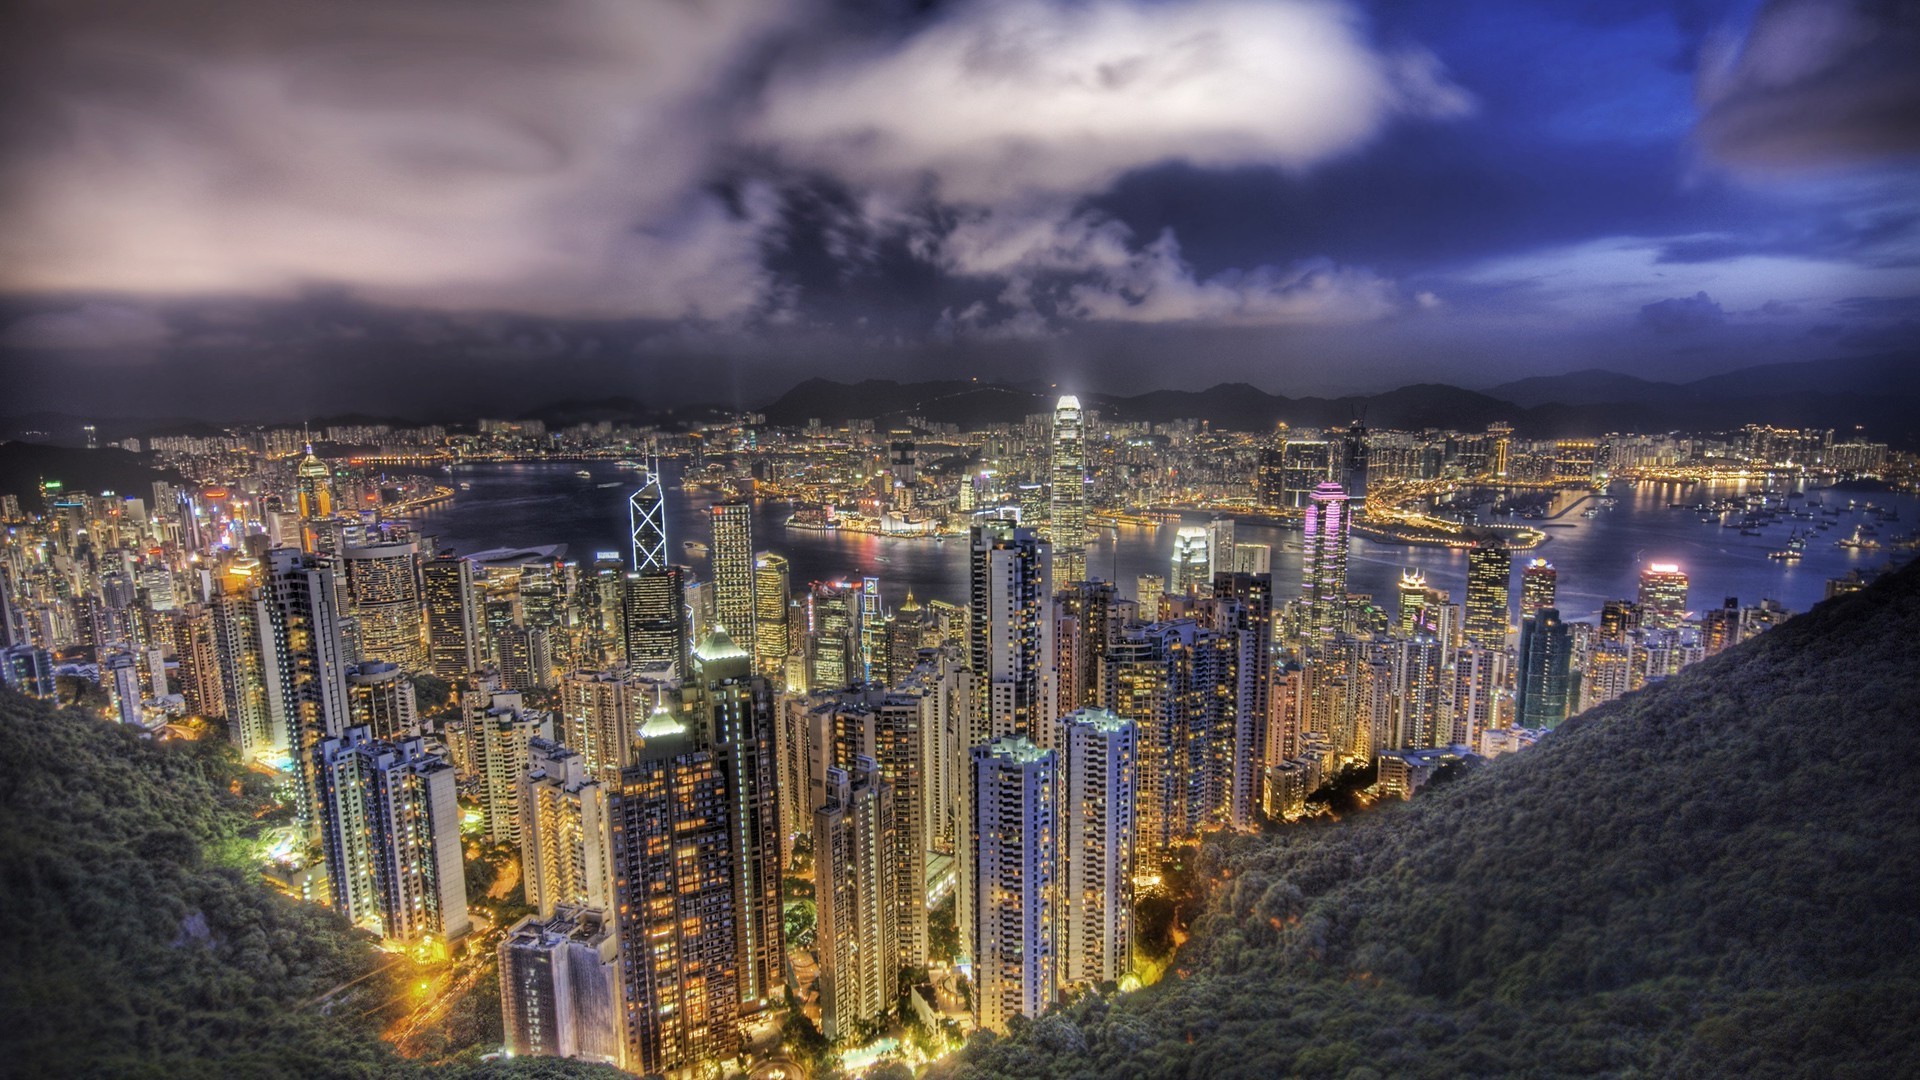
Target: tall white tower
(1067,516)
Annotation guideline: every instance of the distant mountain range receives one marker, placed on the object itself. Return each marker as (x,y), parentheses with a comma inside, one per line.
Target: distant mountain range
(1878,394)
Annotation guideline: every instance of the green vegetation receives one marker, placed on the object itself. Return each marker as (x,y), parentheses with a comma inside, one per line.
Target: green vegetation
(142,942)
(1714,877)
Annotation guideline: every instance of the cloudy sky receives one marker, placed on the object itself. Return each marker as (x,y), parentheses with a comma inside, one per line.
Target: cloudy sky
(403,206)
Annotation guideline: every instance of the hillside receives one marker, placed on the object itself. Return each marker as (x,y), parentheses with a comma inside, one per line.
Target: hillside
(23,465)
(141,947)
(1714,877)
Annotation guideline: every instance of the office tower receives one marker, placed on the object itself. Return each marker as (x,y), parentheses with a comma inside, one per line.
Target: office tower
(315,486)
(390,822)
(1252,558)
(1542,677)
(700,609)
(26,669)
(858,928)
(674,875)
(647,522)
(872,626)
(1353,461)
(733,564)
(1067,510)
(249,671)
(386,601)
(308,654)
(1412,593)
(654,621)
(560,986)
(196,649)
(566,856)
(732,711)
(1012,630)
(1244,607)
(380,698)
(1097,805)
(1191,573)
(772,593)
(599,711)
(1014,898)
(499,732)
(1086,615)
(1419,688)
(1539,586)
(832,633)
(1324,540)
(1305,465)
(453,616)
(1489,590)
(1149,590)
(1222,553)
(1663,596)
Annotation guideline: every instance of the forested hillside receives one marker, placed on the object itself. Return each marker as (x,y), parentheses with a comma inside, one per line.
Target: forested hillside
(140,943)
(1719,876)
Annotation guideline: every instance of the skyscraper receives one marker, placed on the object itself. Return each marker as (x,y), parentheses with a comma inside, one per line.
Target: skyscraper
(390,814)
(647,522)
(772,593)
(386,601)
(674,875)
(559,986)
(308,657)
(598,713)
(1539,586)
(1012,630)
(1067,518)
(1097,802)
(1663,596)
(1244,608)
(1190,574)
(1543,676)
(1325,536)
(1412,593)
(499,733)
(654,619)
(1013,858)
(453,616)
(1489,592)
(732,560)
(858,928)
(565,853)
(380,697)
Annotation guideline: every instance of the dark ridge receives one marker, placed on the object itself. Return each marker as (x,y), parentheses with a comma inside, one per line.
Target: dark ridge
(1715,876)
(24,465)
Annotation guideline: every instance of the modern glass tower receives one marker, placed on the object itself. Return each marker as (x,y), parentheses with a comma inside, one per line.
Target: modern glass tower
(1067,510)
(1489,591)
(647,521)
(1325,536)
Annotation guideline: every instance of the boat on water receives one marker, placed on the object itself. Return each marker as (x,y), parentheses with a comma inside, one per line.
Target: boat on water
(1789,555)
(1858,541)
(466,485)
(694,547)
(583,474)
(1590,512)
(628,465)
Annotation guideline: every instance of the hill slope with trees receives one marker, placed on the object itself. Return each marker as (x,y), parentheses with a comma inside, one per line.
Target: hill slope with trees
(1717,876)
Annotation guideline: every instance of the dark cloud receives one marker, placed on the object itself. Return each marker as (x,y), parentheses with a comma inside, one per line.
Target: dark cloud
(1814,82)
(1683,315)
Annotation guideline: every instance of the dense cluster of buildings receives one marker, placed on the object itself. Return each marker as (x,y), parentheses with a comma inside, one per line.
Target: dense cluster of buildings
(663,748)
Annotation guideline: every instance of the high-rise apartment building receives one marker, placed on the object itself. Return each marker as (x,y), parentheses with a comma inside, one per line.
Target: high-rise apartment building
(498,731)
(1012,630)
(385,596)
(1014,902)
(858,927)
(380,697)
(1067,518)
(1096,823)
(566,855)
(304,645)
(599,711)
(454,638)
(390,825)
(560,986)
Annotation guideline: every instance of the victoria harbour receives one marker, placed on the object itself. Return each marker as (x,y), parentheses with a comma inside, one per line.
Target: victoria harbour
(1599,557)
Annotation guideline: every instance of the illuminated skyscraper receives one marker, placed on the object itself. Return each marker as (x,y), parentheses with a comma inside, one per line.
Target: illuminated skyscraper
(1015,897)
(655,621)
(1663,596)
(598,712)
(772,593)
(380,698)
(1097,806)
(674,876)
(1067,520)
(1412,594)
(732,560)
(1148,590)
(858,930)
(1325,536)
(1191,573)
(386,599)
(390,814)
(248,660)
(872,631)
(647,521)
(307,686)
(1489,592)
(453,616)
(560,986)
(565,857)
(499,733)
(1539,587)
(1012,630)
(315,483)
(1542,680)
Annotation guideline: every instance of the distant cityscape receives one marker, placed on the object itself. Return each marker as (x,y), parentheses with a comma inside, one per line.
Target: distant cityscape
(729,817)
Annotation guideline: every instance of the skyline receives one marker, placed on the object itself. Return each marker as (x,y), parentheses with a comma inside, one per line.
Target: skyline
(1332,198)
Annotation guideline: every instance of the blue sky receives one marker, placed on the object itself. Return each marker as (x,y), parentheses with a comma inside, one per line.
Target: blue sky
(714,200)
